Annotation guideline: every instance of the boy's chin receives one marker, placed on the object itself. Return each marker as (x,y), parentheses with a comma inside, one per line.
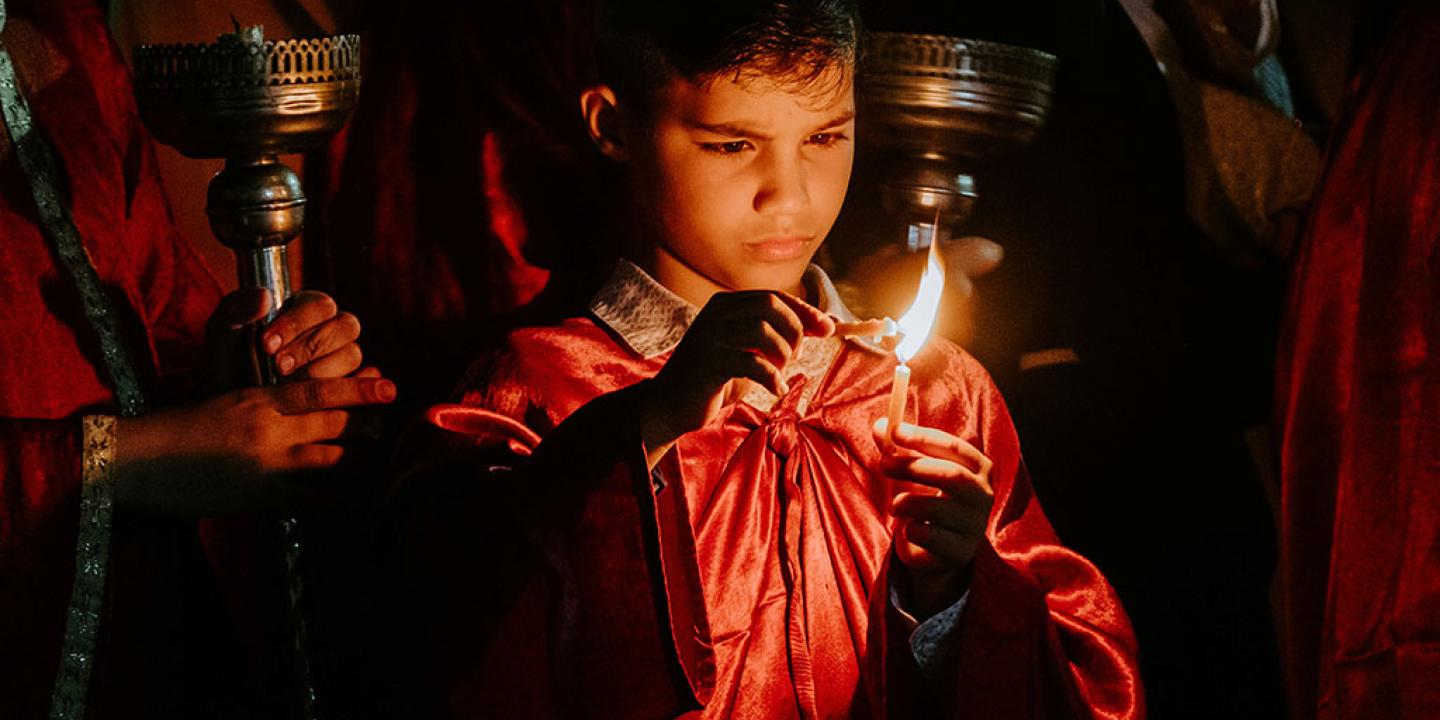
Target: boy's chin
(785,277)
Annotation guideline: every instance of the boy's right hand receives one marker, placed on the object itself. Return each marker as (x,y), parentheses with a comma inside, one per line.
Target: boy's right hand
(750,334)
(234,453)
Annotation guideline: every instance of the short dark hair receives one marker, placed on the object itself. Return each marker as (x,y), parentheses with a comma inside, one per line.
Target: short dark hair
(643,44)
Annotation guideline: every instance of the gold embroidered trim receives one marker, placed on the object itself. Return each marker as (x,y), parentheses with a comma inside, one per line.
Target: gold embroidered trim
(92,554)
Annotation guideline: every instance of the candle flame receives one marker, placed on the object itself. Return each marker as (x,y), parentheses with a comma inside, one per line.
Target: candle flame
(919,320)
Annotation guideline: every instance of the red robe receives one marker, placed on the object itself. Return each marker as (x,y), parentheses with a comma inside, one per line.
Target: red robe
(51,373)
(753,584)
(1359,404)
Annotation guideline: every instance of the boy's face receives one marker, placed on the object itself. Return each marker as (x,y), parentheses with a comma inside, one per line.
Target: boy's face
(741,180)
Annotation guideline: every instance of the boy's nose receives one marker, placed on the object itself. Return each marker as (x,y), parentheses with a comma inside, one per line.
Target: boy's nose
(783,190)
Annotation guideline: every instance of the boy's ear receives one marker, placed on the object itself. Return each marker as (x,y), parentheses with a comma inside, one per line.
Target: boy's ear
(601,111)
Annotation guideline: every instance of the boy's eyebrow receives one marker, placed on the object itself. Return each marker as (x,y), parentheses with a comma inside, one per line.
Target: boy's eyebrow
(733,130)
(727,129)
(840,119)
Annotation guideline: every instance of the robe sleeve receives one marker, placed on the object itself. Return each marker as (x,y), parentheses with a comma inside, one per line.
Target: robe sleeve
(1042,635)
(931,639)
(557,557)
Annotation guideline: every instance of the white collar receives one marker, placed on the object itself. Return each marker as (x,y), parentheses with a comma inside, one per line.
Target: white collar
(650,320)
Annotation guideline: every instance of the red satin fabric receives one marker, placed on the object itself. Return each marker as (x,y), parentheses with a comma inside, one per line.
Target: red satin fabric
(433,216)
(51,373)
(755,584)
(1359,402)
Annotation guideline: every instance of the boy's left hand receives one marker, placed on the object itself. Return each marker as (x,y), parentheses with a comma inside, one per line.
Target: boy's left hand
(940,524)
(310,339)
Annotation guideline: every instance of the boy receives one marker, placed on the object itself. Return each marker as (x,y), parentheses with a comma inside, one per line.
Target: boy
(701,513)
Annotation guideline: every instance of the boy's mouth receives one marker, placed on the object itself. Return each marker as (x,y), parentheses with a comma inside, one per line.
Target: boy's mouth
(780,248)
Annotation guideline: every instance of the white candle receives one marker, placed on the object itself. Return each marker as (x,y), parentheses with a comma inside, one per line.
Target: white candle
(899,394)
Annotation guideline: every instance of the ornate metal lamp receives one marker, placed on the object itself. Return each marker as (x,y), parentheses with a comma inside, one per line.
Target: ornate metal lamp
(939,104)
(249,100)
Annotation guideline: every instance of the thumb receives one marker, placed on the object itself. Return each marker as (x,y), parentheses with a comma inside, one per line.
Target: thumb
(816,323)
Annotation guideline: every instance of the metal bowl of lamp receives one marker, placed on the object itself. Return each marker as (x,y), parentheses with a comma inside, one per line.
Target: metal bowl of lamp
(245,96)
(940,103)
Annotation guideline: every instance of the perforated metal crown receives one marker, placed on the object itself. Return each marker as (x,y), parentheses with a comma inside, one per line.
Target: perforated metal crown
(234,98)
(934,93)
(249,64)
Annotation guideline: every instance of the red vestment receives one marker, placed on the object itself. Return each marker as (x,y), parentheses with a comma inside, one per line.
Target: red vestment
(1359,404)
(150,659)
(753,583)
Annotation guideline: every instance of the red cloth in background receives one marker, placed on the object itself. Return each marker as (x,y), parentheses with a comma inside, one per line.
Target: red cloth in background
(1359,401)
(571,588)
(454,192)
(156,655)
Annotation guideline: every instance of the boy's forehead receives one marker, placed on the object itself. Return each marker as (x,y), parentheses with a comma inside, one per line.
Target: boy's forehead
(756,97)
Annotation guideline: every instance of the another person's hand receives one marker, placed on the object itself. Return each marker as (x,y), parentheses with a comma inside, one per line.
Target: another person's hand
(751,335)
(941,506)
(966,258)
(883,282)
(245,450)
(310,339)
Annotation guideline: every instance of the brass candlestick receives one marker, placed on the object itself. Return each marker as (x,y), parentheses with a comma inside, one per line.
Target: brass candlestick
(937,105)
(249,100)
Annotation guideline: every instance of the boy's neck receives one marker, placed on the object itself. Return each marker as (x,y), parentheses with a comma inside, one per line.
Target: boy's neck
(690,284)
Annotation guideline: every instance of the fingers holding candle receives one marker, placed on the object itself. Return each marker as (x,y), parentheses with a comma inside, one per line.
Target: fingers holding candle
(926,443)
(943,497)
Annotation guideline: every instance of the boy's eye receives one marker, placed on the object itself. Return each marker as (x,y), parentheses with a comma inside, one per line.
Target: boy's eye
(734,147)
(825,139)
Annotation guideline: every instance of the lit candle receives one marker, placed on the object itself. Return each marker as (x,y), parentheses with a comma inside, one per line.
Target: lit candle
(914,328)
